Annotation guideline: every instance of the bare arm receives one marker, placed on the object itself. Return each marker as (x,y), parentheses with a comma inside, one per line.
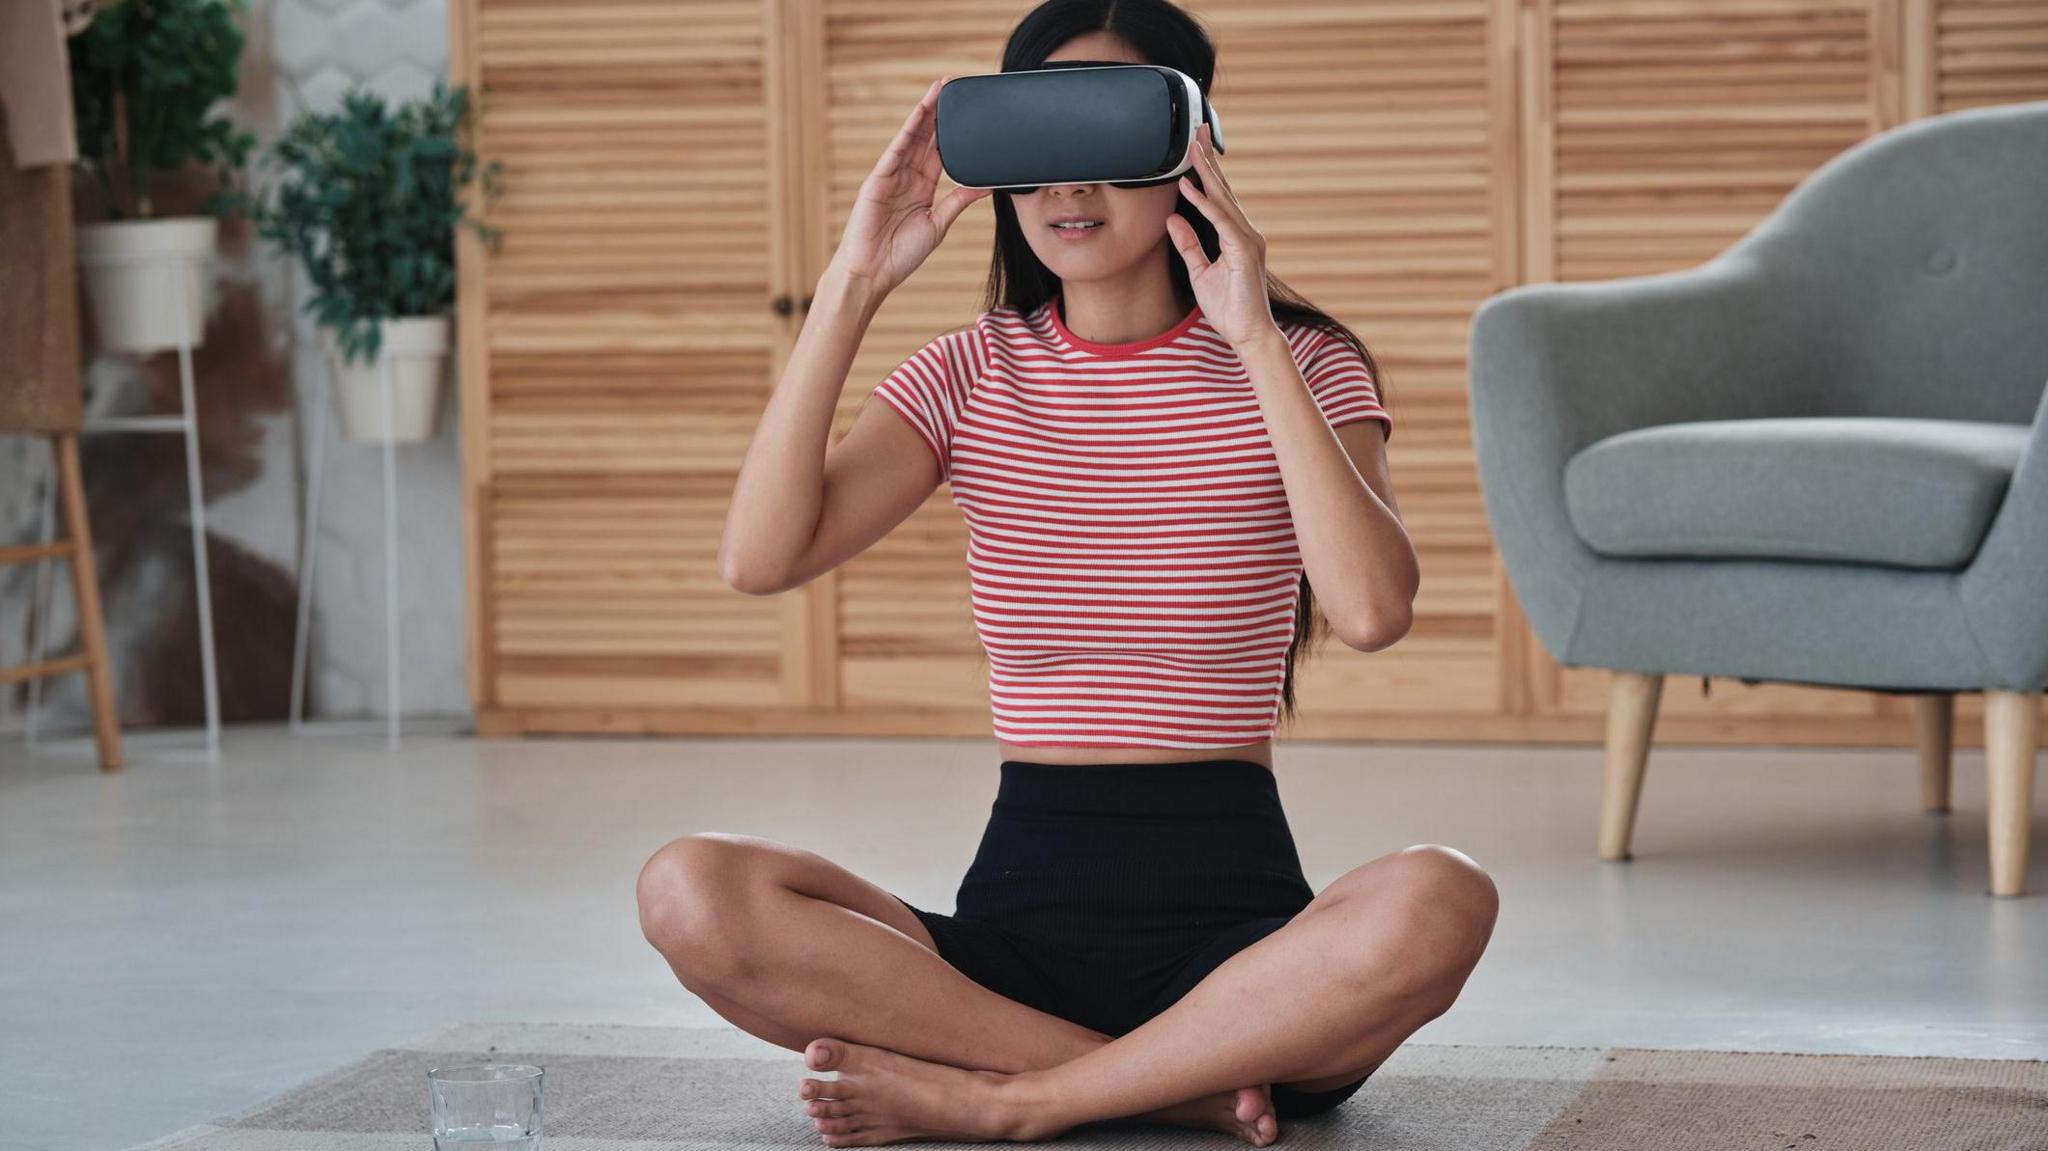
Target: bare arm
(801,506)
(1354,547)
(800,509)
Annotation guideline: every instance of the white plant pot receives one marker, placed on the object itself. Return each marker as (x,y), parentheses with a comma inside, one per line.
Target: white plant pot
(415,349)
(132,272)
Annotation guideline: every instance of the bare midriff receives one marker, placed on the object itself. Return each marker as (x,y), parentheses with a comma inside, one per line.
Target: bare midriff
(1260,753)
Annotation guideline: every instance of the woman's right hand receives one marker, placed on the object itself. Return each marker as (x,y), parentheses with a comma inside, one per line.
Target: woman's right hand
(894,225)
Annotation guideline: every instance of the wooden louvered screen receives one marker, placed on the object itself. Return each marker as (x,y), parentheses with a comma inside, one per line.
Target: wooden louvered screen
(674,166)
(1676,128)
(906,629)
(1984,51)
(1671,130)
(1966,54)
(1397,232)
(1676,132)
(616,354)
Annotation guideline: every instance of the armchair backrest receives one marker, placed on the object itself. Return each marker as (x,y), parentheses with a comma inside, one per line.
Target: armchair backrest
(1927,248)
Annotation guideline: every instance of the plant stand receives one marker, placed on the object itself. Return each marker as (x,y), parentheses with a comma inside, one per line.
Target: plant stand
(309,552)
(186,422)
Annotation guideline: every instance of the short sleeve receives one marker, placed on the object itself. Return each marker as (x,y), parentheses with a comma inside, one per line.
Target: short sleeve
(930,388)
(1342,384)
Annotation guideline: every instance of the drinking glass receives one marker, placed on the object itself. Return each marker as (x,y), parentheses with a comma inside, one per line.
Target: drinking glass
(495,1103)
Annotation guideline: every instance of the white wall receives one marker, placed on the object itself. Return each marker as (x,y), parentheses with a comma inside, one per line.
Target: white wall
(396,48)
(299,54)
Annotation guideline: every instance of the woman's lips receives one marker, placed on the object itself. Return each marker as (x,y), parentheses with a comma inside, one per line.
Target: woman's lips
(1077,233)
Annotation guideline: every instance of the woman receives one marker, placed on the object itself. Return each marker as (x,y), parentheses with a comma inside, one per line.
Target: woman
(1158,450)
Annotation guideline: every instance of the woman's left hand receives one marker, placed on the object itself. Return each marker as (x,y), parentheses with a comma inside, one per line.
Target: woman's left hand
(1232,288)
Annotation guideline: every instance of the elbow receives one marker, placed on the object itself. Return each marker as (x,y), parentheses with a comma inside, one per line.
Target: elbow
(1376,631)
(748,578)
(1382,611)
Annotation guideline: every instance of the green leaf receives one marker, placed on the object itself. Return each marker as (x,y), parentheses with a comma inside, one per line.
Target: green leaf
(151,72)
(368,197)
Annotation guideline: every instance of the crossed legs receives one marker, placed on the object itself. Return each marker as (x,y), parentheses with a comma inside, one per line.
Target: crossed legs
(789,946)
(804,954)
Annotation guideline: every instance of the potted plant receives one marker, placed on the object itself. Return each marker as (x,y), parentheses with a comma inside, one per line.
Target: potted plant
(145,78)
(368,199)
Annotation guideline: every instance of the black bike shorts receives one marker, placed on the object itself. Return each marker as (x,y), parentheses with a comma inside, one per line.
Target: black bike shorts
(1102,893)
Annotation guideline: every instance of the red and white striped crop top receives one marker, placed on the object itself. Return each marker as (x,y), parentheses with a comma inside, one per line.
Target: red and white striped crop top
(1131,558)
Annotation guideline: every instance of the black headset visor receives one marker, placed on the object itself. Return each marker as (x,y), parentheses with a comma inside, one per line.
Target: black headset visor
(1071,122)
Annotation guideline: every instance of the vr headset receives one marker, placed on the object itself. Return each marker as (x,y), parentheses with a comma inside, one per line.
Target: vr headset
(1071,122)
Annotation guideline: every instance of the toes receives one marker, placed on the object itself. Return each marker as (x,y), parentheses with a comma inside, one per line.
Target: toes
(828,1108)
(819,1089)
(871,1137)
(1248,1104)
(835,1126)
(824,1054)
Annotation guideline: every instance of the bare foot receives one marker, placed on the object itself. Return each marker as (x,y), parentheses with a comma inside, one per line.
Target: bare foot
(883,1096)
(1246,1113)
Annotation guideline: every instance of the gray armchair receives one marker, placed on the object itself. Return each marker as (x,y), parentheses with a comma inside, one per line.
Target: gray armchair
(1820,457)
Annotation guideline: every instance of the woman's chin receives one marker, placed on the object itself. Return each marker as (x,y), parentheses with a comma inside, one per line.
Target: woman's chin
(1078,267)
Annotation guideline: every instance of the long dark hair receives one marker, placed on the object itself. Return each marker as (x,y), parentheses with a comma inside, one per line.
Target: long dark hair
(1161,33)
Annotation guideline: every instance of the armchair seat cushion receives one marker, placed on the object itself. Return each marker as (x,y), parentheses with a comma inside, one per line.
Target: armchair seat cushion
(1912,493)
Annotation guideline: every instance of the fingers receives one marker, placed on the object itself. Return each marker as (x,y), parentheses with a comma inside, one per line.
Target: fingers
(926,142)
(928,166)
(928,163)
(1213,181)
(1226,228)
(898,151)
(1215,165)
(955,203)
(912,136)
(1187,244)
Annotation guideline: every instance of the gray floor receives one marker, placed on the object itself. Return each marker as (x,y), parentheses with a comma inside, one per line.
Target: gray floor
(185,938)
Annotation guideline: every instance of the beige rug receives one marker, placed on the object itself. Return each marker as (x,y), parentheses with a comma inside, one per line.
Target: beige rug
(695,1089)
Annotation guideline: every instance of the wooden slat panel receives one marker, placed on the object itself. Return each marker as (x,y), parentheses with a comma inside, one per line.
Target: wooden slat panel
(606,591)
(1652,169)
(1679,126)
(1393,232)
(1990,52)
(906,630)
(672,165)
(629,345)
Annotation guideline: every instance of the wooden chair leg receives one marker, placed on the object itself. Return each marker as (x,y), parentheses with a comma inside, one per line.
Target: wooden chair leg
(1934,722)
(1631,717)
(2012,737)
(85,583)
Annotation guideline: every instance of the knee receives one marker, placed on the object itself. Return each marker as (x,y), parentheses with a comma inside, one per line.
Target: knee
(1457,891)
(1449,903)
(692,894)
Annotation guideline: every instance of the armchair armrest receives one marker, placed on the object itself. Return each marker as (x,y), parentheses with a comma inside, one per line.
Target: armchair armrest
(2005,588)
(1554,367)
